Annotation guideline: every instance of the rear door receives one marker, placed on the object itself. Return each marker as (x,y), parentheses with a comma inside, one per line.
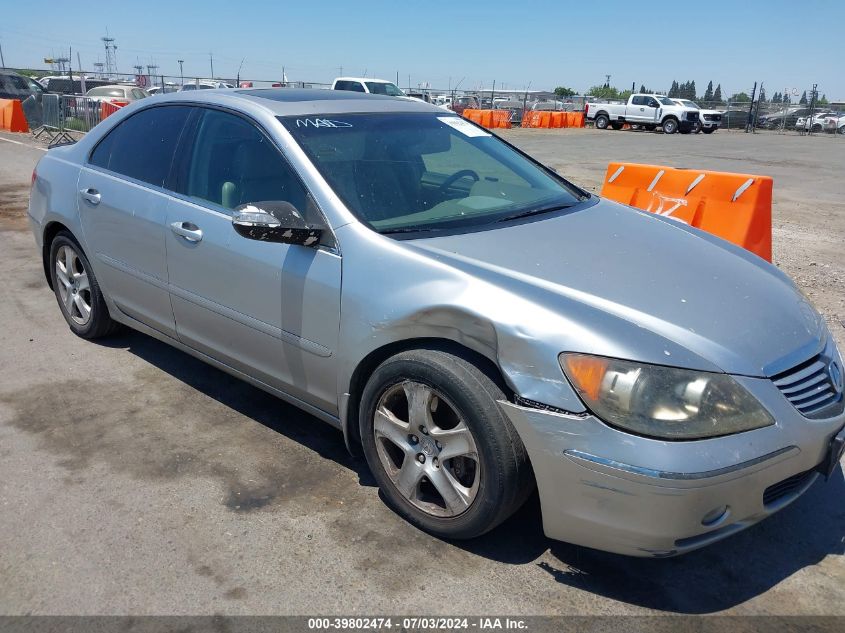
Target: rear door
(267,309)
(122,203)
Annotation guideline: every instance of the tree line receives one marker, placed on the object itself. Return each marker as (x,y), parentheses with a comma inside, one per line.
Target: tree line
(687,90)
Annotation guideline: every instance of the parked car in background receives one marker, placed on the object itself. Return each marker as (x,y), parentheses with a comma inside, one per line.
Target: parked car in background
(204,85)
(816,123)
(117,94)
(459,104)
(514,106)
(708,120)
(648,110)
(66,86)
(786,119)
(16,86)
(546,106)
(835,125)
(368,85)
(477,347)
(168,88)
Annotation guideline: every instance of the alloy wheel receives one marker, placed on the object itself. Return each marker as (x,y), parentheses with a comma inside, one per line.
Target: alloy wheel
(426,449)
(74,286)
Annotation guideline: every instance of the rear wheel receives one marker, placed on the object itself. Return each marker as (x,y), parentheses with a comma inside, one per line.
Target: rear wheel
(77,290)
(444,455)
(602,122)
(670,126)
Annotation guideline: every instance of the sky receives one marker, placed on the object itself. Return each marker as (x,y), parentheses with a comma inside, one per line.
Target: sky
(787,45)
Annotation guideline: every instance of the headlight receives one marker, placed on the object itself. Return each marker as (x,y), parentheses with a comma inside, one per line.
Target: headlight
(663,402)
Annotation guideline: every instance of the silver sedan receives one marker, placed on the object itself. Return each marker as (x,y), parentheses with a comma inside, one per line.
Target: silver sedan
(475,324)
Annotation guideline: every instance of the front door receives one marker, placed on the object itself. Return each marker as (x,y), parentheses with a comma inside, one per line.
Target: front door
(123,205)
(267,309)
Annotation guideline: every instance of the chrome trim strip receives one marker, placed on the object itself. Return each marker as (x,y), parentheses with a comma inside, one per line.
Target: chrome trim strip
(580,456)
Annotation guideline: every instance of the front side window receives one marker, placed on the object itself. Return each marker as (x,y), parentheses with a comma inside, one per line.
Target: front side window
(403,172)
(638,100)
(233,164)
(666,101)
(142,147)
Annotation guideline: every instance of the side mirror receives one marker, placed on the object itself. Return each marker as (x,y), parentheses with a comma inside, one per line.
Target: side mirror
(274,221)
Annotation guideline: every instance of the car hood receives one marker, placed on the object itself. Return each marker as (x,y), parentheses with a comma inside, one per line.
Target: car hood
(721,303)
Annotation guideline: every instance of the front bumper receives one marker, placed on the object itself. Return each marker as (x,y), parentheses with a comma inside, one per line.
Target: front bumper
(613,491)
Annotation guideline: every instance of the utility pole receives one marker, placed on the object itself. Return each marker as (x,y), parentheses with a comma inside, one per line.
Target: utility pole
(749,121)
(607,81)
(211,60)
(111,54)
(2,61)
(238,80)
(181,74)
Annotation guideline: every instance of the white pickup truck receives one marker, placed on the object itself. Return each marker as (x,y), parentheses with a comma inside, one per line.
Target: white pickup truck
(648,111)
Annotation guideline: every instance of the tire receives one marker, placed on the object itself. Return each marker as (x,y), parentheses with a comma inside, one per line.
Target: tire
(697,128)
(456,405)
(709,130)
(617,125)
(670,126)
(78,293)
(602,122)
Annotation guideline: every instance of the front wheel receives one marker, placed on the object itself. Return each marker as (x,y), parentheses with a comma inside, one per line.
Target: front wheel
(602,122)
(77,291)
(444,455)
(696,128)
(709,130)
(670,126)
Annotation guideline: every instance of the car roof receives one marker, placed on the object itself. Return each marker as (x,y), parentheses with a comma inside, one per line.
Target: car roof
(295,101)
(370,79)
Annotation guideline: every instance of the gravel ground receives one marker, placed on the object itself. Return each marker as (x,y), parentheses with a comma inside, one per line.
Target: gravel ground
(136,480)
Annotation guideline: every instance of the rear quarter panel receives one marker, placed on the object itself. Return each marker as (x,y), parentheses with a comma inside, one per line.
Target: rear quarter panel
(53,197)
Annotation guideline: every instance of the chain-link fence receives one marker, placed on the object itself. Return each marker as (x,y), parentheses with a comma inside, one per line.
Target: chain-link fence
(781,113)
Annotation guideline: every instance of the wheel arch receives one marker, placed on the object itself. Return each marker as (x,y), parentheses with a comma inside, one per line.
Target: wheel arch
(350,421)
(51,230)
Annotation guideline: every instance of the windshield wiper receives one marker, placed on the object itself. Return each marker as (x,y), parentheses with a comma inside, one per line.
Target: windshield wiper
(538,211)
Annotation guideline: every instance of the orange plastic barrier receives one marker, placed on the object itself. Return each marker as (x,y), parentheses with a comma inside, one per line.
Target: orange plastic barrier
(488,118)
(736,207)
(107,108)
(12,117)
(552,119)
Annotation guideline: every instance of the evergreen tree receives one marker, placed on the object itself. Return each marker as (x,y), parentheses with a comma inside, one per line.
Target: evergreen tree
(673,91)
(692,96)
(803,99)
(642,88)
(786,99)
(823,100)
(708,94)
(717,94)
(776,98)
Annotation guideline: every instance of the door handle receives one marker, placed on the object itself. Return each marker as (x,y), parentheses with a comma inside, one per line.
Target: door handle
(189,231)
(91,195)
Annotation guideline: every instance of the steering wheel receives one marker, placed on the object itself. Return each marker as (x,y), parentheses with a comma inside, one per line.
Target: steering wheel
(451,180)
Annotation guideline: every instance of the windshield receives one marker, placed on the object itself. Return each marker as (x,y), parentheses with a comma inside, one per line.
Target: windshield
(403,172)
(689,104)
(665,101)
(379,88)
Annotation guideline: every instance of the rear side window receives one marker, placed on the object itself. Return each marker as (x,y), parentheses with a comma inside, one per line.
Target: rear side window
(354,86)
(142,146)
